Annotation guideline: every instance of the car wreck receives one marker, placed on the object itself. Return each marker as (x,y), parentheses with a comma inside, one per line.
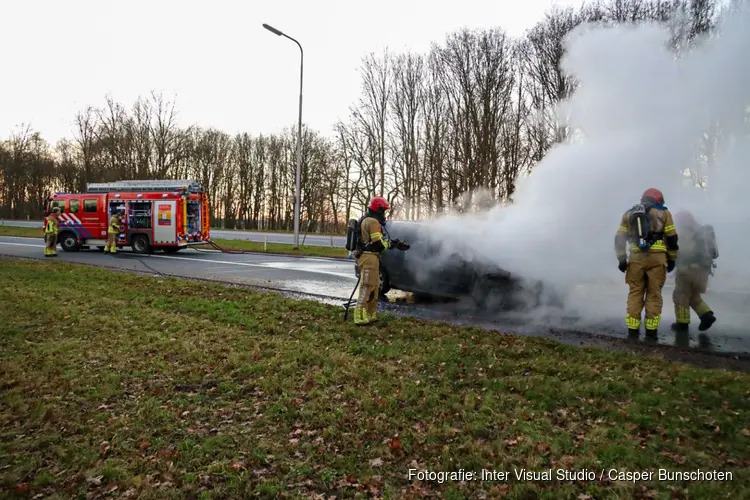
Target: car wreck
(431,269)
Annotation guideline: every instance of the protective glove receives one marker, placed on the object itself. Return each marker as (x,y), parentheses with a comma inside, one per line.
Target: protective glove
(670,266)
(402,245)
(398,244)
(623,265)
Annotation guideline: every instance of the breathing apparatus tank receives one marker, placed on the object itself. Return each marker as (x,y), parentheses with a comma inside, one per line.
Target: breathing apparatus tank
(352,236)
(708,236)
(640,226)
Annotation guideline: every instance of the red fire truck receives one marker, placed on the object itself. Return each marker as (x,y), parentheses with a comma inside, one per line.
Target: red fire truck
(164,214)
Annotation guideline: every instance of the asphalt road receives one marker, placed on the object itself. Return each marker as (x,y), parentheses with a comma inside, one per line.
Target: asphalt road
(601,305)
(331,277)
(310,239)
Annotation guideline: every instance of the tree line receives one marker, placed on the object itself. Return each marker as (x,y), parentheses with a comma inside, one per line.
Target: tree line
(469,116)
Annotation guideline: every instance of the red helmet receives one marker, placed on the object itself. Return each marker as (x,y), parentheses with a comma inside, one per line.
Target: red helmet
(653,194)
(378,204)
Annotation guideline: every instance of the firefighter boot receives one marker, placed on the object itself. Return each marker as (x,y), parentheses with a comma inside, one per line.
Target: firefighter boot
(633,333)
(678,327)
(682,339)
(707,319)
(360,316)
(652,336)
(50,245)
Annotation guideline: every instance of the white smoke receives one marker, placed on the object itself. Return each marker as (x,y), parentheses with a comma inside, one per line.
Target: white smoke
(642,114)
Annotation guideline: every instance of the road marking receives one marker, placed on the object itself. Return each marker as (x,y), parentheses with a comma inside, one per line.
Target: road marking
(20,244)
(266,265)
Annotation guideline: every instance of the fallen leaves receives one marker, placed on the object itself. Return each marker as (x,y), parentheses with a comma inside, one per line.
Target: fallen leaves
(678,459)
(333,418)
(511,442)
(104,449)
(94,481)
(21,488)
(395,445)
(543,448)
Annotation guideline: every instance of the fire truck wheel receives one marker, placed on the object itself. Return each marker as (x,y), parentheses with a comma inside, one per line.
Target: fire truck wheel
(68,242)
(140,244)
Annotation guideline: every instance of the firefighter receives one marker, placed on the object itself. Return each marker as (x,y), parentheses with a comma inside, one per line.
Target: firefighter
(693,268)
(368,260)
(114,229)
(650,228)
(50,233)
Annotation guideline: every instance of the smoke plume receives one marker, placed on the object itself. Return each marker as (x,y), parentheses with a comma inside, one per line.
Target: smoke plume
(642,117)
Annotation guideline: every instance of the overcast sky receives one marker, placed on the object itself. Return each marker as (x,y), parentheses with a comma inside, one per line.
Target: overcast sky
(224,68)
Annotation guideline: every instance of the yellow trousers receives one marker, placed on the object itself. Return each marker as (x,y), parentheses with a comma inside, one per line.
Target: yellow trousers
(50,248)
(690,285)
(645,276)
(111,246)
(366,309)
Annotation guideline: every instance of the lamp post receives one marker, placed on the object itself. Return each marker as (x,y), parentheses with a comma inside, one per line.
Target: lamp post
(299,136)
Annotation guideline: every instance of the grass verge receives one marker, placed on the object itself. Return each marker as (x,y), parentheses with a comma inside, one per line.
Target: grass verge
(161,388)
(247,246)
(284,231)
(282,248)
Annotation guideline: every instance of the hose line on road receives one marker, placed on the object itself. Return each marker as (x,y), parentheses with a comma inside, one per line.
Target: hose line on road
(222,249)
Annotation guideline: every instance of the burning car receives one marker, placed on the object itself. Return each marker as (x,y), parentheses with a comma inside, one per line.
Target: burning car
(432,269)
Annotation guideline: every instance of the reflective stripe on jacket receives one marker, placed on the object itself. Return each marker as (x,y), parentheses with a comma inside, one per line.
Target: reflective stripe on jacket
(52,226)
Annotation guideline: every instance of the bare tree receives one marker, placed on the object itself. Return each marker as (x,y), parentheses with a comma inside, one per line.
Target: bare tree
(377,85)
(407,104)
(469,116)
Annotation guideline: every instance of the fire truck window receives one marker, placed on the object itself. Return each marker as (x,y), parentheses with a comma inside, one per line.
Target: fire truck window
(74,206)
(89,206)
(57,203)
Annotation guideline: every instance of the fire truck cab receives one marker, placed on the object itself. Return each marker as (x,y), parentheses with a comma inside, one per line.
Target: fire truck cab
(159,214)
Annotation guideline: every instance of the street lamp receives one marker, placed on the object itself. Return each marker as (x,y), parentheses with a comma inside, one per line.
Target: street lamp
(299,136)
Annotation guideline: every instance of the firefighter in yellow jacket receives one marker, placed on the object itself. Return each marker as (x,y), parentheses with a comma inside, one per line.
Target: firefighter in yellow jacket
(114,228)
(697,254)
(50,233)
(368,259)
(650,229)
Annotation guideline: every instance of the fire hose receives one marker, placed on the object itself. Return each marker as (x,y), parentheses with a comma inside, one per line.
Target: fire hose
(348,303)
